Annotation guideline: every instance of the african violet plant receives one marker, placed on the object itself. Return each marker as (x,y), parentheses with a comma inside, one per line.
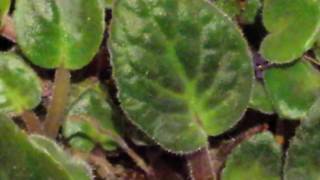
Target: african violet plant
(184,74)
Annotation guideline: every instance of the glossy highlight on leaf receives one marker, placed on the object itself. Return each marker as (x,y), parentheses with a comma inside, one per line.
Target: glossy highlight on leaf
(258,158)
(55,33)
(4,8)
(259,99)
(182,67)
(89,110)
(293,26)
(293,88)
(22,160)
(303,155)
(20,88)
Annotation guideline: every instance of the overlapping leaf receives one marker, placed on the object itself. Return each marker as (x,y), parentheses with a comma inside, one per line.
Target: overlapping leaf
(259,99)
(85,116)
(245,11)
(20,87)
(293,26)
(303,155)
(54,33)
(22,159)
(182,67)
(293,88)
(258,158)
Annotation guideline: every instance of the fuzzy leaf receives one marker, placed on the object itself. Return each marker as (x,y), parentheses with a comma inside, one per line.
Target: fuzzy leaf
(258,158)
(259,99)
(20,87)
(55,33)
(182,68)
(90,106)
(293,26)
(76,168)
(4,8)
(293,88)
(303,155)
(22,160)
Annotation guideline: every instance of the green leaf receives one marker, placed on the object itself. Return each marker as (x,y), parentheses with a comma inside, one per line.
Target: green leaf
(20,88)
(182,68)
(85,114)
(293,26)
(259,99)
(303,155)
(245,11)
(22,160)
(258,158)
(76,168)
(293,88)
(55,33)
(251,8)
(4,8)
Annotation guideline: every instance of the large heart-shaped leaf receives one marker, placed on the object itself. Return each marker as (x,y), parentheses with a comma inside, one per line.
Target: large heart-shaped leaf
(84,115)
(4,8)
(293,88)
(182,67)
(293,26)
(55,33)
(20,87)
(259,158)
(23,160)
(259,99)
(303,157)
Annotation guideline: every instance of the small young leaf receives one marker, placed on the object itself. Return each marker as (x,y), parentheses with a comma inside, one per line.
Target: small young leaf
(293,26)
(20,88)
(258,158)
(55,33)
(4,8)
(90,106)
(293,88)
(303,155)
(22,160)
(182,68)
(76,168)
(259,99)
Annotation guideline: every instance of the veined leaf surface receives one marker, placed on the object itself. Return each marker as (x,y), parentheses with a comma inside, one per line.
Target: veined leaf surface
(182,67)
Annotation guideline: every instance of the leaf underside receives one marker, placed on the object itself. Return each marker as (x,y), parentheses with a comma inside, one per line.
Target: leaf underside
(182,67)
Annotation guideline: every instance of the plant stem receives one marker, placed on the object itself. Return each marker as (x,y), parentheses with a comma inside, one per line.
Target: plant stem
(7,30)
(58,103)
(200,165)
(32,122)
